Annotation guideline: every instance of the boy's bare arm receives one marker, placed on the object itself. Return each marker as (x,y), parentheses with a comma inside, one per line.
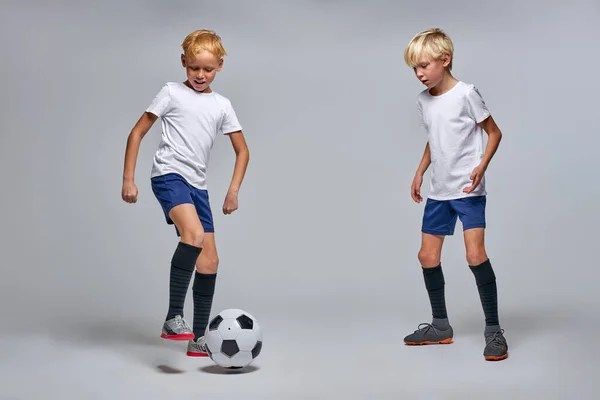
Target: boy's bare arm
(136,135)
(129,190)
(425,161)
(494,138)
(415,187)
(242,156)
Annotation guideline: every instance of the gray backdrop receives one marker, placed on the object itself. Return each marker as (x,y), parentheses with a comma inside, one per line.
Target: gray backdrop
(323,249)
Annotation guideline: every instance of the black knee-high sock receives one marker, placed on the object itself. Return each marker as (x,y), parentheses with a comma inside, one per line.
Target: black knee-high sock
(183,264)
(203,291)
(434,282)
(486,285)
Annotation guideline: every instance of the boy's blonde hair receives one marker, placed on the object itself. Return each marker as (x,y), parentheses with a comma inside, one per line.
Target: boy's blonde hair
(432,43)
(201,40)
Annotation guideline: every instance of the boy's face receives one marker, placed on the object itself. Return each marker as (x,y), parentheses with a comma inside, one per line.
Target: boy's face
(201,69)
(430,71)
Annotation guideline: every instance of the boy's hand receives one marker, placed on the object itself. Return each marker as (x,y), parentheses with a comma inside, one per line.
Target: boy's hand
(129,193)
(476,177)
(415,188)
(231,203)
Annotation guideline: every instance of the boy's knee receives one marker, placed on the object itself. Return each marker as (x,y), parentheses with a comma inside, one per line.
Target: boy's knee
(476,256)
(195,237)
(429,259)
(209,265)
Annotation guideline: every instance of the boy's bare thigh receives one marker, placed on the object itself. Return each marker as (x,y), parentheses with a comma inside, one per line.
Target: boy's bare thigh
(185,218)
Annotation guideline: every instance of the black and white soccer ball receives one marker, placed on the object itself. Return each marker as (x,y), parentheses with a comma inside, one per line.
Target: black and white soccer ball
(233,338)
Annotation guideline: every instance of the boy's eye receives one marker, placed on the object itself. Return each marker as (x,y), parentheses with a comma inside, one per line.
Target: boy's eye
(198,68)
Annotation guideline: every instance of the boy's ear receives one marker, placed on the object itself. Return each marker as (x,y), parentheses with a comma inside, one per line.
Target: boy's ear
(183,60)
(220,64)
(447,58)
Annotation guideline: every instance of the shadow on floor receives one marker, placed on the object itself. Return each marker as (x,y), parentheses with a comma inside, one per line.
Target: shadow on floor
(105,332)
(137,340)
(523,324)
(165,369)
(215,369)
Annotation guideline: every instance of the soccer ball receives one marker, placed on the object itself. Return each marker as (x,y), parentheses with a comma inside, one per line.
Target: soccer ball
(233,338)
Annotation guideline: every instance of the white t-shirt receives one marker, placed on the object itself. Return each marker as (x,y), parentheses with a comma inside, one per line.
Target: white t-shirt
(455,139)
(190,123)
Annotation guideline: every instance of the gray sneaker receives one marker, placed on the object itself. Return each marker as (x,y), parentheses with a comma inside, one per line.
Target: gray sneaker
(177,329)
(197,348)
(496,348)
(429,334)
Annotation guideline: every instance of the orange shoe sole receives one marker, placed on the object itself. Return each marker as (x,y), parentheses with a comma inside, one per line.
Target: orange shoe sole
(496,358)
(445,341)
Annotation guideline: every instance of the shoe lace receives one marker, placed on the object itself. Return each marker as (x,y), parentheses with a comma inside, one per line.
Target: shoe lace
(179,323)
(496,340)
(201,343)
(425,327)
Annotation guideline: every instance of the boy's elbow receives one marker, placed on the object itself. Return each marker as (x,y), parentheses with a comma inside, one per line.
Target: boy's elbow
(136,134)
(243,153)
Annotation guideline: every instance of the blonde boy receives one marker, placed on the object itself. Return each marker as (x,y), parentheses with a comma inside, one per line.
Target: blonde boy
(192,116)
(454,116)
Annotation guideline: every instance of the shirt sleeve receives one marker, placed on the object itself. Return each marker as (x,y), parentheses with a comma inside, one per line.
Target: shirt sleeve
(230,121)
(420,115)
(477,108)
(161,102)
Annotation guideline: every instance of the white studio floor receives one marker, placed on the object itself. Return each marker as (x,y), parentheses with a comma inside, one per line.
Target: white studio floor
(552,356)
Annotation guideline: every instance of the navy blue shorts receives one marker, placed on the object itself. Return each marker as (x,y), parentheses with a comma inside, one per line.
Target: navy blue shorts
(439,217)
(172,190)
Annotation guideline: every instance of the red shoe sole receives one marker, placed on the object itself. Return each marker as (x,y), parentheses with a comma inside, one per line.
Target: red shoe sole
(189,336)
(190,354)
